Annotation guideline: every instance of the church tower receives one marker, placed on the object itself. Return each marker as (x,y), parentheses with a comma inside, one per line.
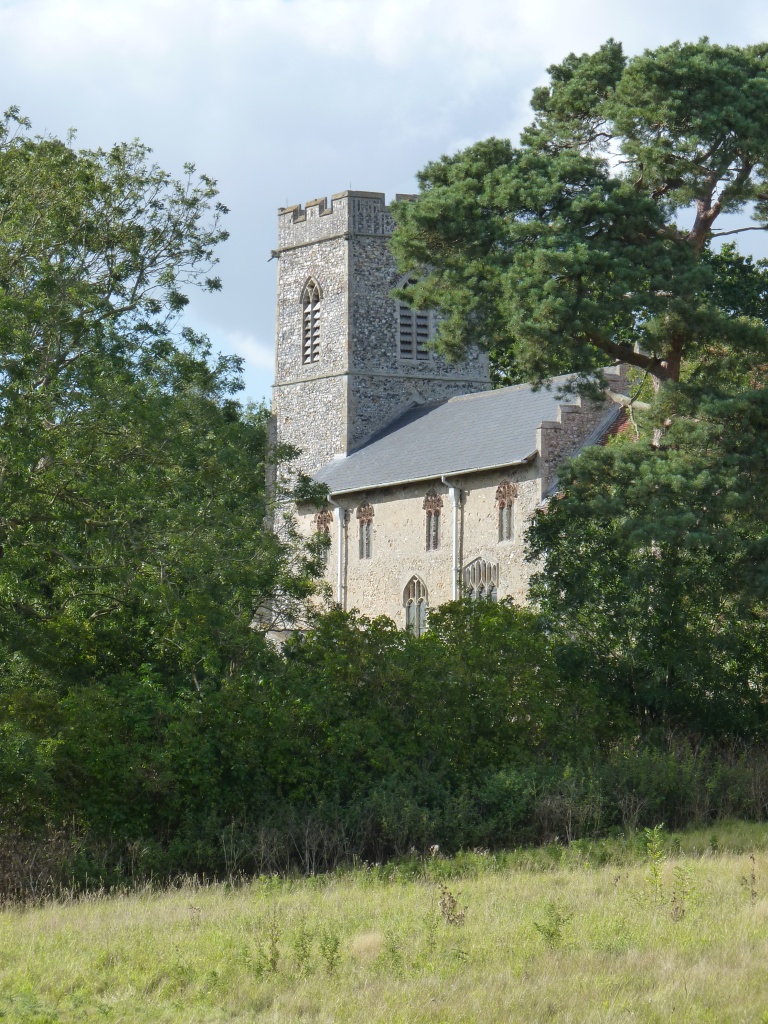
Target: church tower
(349,358)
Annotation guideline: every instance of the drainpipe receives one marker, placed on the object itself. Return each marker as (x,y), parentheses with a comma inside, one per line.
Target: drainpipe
(338,515)
(455,495)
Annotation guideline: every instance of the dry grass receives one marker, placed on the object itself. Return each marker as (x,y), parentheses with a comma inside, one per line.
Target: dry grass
(545,938)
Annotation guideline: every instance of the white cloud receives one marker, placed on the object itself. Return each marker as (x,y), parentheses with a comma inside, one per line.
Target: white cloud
(257,354)
(283,100)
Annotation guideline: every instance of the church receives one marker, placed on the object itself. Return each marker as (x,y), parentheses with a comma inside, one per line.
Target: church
(431,473)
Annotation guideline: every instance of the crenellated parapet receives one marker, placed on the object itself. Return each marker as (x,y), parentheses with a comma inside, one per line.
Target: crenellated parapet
(347,213)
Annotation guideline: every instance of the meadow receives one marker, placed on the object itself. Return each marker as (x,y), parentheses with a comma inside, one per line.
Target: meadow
(647,928)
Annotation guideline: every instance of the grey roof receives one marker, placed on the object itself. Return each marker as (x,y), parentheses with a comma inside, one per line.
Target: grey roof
(485,430)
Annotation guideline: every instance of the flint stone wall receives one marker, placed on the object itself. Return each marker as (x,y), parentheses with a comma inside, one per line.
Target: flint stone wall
(359,384)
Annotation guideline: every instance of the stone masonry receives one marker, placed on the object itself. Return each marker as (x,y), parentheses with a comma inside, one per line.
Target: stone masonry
(359,383)
(384,537)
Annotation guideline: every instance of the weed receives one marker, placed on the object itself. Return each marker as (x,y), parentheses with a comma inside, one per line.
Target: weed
(654,851)
(330,949)
(555,920)
(430,938)
(272,951)
(391,954)
(751,881)
(682,893)
(302,951)
(449,906)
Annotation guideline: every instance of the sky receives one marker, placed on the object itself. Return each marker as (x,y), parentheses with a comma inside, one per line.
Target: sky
(283,101)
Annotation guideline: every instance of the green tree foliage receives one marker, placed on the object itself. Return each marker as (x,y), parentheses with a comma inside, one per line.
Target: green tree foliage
(570,250)
(592,242)
(385,737)
(133,496)
(656,570)
(476,691)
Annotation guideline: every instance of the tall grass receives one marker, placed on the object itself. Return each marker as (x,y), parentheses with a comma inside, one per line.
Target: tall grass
(627,929)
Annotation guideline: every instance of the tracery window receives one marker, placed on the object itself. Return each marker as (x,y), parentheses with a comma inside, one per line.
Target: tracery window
(505,503)
(323,522)
(416,602)
(365,527)
(415,328)
(481,580)
(311,299)
(433,505)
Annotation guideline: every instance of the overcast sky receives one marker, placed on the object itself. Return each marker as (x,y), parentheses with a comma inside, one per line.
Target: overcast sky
(286,100)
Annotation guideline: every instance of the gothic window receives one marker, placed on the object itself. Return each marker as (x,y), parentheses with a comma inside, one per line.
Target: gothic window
(481,580)
(433,505)
(365,525)
(310,322)
(323,522)
(415,327)
(505,503)
(416,602)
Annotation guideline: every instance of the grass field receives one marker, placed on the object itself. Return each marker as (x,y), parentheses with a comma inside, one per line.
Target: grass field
(674,928)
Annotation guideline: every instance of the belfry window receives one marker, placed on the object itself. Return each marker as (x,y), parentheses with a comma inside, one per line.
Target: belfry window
(365,527)
(505,503)
(433,505)
(416,602)
(481,580)
(310,324)
(415,328)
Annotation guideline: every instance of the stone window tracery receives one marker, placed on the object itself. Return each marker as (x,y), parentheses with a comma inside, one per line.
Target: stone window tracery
(416,603)
(433,505)
(365,527)
(311,302)
(481,580)
(323,522)
(506,493)
(415,328)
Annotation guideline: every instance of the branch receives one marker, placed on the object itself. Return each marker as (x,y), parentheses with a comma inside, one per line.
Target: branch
(737,231)
(627,402)
(624,354)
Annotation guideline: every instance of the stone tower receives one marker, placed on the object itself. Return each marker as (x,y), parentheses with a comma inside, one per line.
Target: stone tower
(349,359)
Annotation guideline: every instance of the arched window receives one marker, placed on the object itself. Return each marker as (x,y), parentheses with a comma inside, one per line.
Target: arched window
(481,580)
(416,603)
(365,521)
(505,503)
(323,522)
(310,323)
(433,505)
(415,327)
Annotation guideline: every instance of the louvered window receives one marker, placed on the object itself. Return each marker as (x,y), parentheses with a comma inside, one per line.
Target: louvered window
(416,603)
(310,336)
(415,329)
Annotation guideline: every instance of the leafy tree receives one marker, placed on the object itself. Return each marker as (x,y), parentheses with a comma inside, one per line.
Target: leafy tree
(592,242)
(655,569)
(133,499)
(572,249)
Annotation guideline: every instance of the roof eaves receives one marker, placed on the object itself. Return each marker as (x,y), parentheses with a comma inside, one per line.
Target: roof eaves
(434,476)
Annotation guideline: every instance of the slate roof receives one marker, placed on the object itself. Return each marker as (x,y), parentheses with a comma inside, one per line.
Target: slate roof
(485,430)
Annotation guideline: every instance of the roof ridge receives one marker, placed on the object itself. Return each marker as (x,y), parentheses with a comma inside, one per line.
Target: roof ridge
(530,385)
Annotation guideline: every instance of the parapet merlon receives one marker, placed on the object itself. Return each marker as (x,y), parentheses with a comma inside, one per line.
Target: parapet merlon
(322,208)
